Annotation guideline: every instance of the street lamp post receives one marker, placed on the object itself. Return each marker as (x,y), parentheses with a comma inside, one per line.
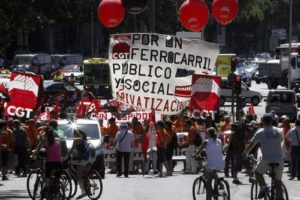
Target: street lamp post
(290,45)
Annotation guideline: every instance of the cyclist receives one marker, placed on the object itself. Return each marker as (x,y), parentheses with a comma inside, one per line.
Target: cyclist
(215,161)
(270,139)
(53,157)
(81,160)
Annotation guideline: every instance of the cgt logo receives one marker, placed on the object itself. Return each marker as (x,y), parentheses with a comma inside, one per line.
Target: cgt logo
(121,47)
(19,111)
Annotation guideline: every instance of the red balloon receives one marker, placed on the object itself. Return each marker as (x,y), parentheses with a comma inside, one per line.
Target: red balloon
(194,15)
(111,13)
(225,11)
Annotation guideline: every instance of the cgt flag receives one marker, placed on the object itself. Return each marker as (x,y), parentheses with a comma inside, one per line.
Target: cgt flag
(205,92)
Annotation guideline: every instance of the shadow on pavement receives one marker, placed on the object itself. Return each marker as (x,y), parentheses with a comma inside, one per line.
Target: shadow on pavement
(14,194)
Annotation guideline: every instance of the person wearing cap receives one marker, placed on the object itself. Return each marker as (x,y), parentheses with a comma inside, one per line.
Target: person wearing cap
(22,144)
(270,139)
(293,136)
(123,143)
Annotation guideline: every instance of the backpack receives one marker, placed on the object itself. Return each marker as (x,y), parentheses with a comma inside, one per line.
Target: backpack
(197,140)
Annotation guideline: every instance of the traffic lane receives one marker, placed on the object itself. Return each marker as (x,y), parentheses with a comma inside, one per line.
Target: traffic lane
(150,187)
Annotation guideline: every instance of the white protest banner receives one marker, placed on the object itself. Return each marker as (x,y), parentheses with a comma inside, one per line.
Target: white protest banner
(145,68)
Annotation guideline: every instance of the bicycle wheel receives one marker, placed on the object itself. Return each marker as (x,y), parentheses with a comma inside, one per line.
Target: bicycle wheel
(199,189)
(255,191)
(67,183)
(74,183)
(57,192)
(94,186)
(222,189)
(284,192)
(32,182)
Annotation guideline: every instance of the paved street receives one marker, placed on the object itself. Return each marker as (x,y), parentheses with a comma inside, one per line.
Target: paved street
(149,187)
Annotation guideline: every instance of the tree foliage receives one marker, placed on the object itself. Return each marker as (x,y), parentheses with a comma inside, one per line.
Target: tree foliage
(256,18)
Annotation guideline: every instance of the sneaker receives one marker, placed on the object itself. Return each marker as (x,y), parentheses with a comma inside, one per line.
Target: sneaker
(81,196)
(251,180)
(263,191)
(237,182)
(4,178)
(119,175)
(155,172)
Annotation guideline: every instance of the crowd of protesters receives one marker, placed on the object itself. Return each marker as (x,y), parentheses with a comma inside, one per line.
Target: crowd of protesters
(158,141)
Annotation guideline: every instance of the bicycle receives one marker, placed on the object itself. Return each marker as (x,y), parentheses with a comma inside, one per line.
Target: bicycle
(221,189)
(37,187)
(271,194)
(93,184)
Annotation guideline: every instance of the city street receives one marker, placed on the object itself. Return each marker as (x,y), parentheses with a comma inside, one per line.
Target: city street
(149,187)
(138,187)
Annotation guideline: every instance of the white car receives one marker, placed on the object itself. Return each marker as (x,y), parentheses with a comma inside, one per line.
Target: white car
(93,131)
(248,95)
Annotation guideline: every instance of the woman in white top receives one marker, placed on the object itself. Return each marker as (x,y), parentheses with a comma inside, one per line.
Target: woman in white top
(214,156)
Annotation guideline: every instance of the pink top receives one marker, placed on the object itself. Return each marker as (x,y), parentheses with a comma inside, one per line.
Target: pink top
(53,152)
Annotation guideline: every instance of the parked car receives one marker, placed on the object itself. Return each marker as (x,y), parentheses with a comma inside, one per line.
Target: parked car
(283,102)
(93,131)
(248,95)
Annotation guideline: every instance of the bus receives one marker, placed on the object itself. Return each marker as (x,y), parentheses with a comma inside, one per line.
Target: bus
(97,77)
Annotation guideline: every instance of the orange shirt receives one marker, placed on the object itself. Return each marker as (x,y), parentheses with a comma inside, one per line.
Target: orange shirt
(285,129)
(225,127)
(112,130)
(163,138)
(31,134)
(138,129)
(171,134)
(191,135)
(8,140)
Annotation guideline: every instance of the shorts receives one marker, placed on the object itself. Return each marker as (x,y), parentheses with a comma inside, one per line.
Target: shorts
(51,167)
(263,167)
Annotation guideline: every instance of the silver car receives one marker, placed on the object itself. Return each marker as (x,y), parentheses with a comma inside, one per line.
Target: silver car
(248,95)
